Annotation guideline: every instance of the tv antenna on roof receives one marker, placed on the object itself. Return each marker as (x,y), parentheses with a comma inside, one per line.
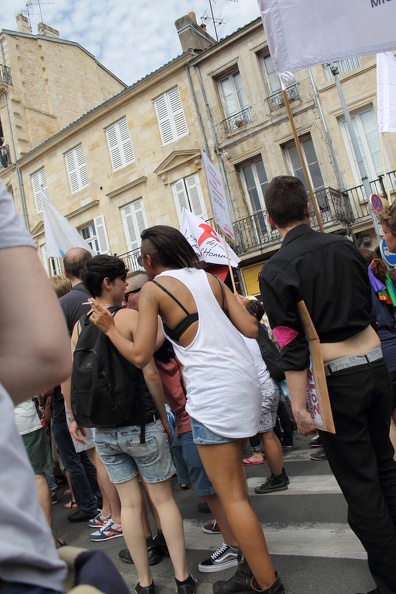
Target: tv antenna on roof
(30,4)
(215,20)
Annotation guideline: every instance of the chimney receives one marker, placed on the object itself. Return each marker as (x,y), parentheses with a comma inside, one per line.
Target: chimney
(47,31)
(22,23)
(191,35)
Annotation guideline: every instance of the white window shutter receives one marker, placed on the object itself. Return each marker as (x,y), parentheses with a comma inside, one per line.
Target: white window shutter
(40,188)
(126,143)
(120,145)
(180,197)
(114,148)
(76,169)
(134,221)
(177,112)
(196,197)
(101,234)
(164,121)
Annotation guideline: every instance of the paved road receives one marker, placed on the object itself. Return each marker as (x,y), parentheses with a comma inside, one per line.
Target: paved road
(310,542)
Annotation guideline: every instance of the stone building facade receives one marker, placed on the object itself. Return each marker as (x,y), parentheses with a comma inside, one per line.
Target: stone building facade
(133,160)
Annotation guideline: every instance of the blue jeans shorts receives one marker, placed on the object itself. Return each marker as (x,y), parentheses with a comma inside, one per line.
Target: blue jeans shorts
(204,436)
(124,455)
(189,468)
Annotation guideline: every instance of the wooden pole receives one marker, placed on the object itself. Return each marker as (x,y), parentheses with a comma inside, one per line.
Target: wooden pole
(304,167)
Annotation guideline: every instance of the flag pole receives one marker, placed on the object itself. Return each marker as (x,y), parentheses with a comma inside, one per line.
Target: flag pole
(229,262)
(303,165)
(388,194)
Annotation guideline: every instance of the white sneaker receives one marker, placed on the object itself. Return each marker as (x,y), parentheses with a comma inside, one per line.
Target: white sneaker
(223,558)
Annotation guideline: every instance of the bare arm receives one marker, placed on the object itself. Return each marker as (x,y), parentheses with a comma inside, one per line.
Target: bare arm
(297,384)
(239,316)
(74,429)
(140,351)
(154,384)
(34,343)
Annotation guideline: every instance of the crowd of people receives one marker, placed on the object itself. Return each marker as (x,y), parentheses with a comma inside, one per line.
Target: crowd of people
(186,341)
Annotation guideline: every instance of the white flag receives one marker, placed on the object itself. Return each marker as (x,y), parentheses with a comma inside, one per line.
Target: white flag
(205,241)
(60,236)
(386,92)
(302,33)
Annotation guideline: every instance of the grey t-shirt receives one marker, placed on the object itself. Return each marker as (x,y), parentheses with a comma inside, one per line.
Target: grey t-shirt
(27,550)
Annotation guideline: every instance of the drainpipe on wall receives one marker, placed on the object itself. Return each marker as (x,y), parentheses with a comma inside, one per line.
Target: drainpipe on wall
(17,168)
(187,68)
(216,146)
(329,140)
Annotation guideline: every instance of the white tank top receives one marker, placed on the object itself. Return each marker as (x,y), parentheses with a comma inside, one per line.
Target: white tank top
(223,391)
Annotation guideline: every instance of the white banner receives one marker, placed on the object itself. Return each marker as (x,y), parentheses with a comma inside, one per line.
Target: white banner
(205,241)
(60,236)
(218,199)
(302,33)
(386,92)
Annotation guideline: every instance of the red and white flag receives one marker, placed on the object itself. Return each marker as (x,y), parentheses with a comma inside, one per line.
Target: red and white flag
(205,241)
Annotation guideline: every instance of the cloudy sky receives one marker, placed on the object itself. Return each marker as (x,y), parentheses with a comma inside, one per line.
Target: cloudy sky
(130,38)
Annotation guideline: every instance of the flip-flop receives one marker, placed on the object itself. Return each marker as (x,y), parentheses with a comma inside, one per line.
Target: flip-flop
(67,492)
(248,462)
(59,543)
(70,505)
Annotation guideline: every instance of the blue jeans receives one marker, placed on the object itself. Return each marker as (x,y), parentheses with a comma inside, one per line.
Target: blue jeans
(360,455)
(81,471)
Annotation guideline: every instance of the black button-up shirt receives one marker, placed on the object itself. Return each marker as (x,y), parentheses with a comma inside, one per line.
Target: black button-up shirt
(329,274)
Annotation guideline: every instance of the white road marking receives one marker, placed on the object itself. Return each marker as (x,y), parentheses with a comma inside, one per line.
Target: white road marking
(306,540)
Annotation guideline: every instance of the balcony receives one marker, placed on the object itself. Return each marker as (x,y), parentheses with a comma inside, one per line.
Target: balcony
(275,101)
(360,206)
(130,259)
(237,121)
(5,75)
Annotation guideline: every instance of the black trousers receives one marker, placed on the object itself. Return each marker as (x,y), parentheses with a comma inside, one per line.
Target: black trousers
(360,455)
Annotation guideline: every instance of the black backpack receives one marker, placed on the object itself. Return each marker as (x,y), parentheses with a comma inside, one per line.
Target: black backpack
(270,354)
(106,389)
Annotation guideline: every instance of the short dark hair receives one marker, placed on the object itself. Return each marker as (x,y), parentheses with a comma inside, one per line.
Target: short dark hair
(171,247)
(256,309)
(367,254)
(286,200)
(75,260)
(99,268)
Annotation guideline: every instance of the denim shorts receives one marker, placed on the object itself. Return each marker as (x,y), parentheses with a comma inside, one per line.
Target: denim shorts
(269,405)
(204,436)
(124,455)
(189,468)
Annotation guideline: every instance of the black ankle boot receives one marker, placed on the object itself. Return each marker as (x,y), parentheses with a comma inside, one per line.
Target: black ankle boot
(186,587)
(239,582)
(276,588)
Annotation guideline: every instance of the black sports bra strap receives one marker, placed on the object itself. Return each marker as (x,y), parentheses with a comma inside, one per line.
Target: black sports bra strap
(171,296)
(222,292)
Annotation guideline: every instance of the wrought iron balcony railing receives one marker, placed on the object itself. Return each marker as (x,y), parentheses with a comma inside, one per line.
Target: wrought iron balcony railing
(5,74)
(358,200)
(237,121)
(275,101)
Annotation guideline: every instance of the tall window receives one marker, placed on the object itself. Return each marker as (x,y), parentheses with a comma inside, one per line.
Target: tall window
(366,130)
(134,222)
(52,266)
(232,94)
(95,235)
(254,181)
(272,77)
(76,169)
(187,193)
(40,188)
(170,116)
(120,145)
(312,165)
